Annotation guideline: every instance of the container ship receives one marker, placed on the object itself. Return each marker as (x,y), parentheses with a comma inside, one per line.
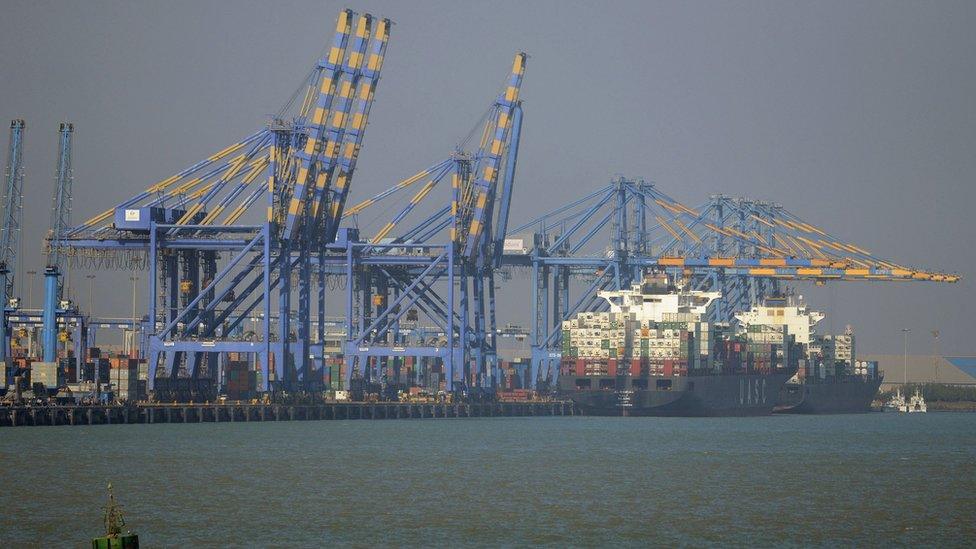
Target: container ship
(844,395)
(653,354)
(830,380)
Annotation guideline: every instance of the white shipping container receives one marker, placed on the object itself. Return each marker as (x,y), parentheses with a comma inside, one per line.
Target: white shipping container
(44,372)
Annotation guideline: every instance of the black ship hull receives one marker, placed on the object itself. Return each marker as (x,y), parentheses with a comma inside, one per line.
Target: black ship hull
(845,396)
(678,396)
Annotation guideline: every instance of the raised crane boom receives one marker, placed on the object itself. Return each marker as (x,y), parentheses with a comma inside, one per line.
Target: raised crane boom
(490,161)
(366,89)
(60,223)
(505,201)
(317,125)
(61,201)
(336,127)
(13,214)
(499,138)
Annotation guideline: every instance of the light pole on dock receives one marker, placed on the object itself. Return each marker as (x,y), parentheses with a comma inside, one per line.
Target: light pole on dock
(132,336)
(906,331)
(30,289)
(91,302)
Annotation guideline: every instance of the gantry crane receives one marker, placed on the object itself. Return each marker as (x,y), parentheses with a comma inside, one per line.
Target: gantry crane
(258,233)
(60,222)
(212,267)
(744,249)
(13,214)
(442,268)
(224,238)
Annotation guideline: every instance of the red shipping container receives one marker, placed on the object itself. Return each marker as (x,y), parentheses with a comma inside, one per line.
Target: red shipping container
(580,367)
(612,367)
(668,367)
(635,367)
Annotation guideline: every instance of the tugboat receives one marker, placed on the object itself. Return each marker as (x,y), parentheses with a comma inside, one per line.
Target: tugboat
(114,522)
(897,403)
(916,404)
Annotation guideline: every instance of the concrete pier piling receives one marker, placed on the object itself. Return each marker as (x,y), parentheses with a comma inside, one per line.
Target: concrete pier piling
(15,416)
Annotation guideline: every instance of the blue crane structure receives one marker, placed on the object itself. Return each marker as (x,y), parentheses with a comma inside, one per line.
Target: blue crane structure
(258,233)
(611,238)
(209,271)
(14,317)
(13,217)
(242,230)
(441,269)
(60,222)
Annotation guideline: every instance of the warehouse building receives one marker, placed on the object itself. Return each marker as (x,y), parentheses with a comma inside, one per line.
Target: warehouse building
(952,370)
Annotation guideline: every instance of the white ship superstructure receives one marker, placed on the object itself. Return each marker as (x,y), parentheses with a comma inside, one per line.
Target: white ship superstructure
(798,319)
(655,301)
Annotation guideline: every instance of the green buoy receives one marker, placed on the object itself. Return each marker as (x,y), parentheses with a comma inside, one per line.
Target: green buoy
(114,522)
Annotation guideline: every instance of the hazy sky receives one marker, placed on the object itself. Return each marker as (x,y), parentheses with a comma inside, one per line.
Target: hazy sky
(857,116)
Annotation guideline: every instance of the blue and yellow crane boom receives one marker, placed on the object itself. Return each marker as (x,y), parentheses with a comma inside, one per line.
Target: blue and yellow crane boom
(13,216)
(307,156)
(13,213)
(338,119)
(366,90)
(472,200)
(490,158)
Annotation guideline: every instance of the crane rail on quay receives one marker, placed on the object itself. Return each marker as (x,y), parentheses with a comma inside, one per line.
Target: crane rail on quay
(242,249)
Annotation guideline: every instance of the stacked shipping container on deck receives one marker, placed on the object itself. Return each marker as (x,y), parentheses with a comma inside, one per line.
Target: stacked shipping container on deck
(770,347)
(610,344)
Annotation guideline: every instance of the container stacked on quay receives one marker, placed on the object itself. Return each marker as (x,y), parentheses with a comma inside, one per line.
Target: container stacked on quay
(831,380)
(654,354)
(240,380)
(100,376)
